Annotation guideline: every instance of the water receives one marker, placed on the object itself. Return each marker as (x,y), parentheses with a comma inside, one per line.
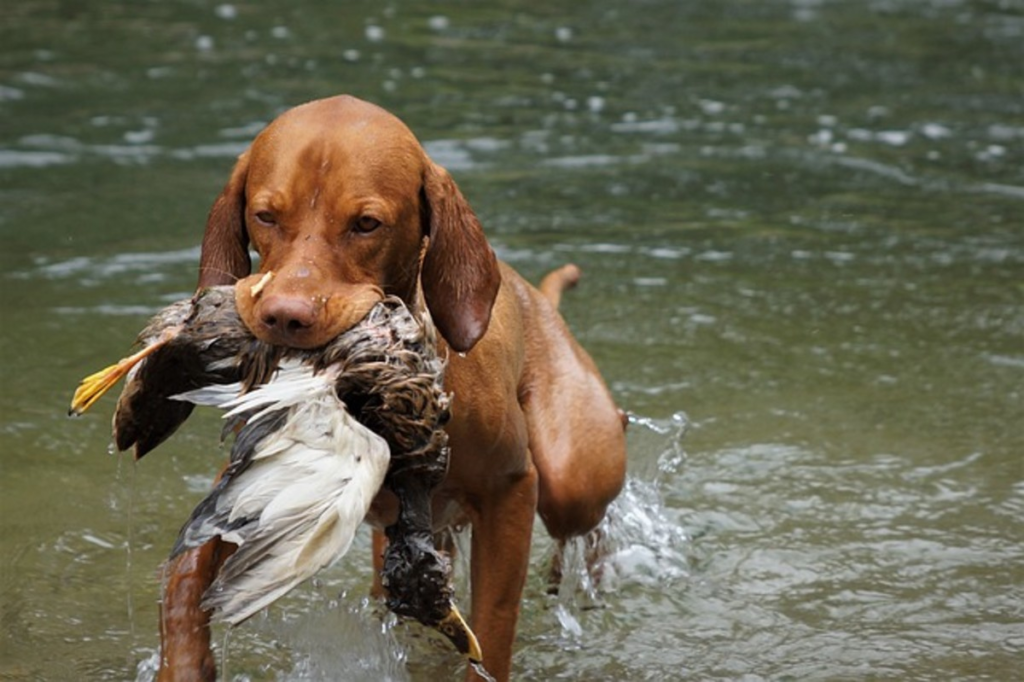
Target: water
(800,227)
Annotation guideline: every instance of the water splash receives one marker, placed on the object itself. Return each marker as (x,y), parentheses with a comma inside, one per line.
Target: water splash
(481,672)
(642,542)
(639,542)
(571,628)
(148,667)
(354,637)
(224,654)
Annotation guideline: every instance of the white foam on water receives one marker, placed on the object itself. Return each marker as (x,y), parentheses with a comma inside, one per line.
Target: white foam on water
(15,158)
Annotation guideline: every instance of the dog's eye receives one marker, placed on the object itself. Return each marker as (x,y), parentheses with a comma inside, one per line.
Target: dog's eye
(266,218)
(367,224)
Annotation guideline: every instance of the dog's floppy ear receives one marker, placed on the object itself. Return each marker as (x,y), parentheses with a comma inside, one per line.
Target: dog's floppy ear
(460,272)
(225,254)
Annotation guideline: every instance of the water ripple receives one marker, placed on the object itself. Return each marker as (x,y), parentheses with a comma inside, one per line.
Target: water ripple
(91,269)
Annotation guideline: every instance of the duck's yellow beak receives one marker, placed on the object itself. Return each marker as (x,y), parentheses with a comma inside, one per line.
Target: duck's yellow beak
(454,627)
(95,385)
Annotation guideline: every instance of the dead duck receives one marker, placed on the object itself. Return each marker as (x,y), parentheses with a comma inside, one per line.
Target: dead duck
(317,434)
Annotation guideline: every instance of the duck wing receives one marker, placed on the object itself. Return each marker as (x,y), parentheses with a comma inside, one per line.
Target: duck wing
(303,474)
(211,346)
(191,343)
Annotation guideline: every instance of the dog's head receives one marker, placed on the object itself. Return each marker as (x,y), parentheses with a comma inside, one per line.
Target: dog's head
(343,207)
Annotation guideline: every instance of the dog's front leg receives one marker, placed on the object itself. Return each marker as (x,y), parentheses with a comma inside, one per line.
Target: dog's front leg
(185,653)
(502,529)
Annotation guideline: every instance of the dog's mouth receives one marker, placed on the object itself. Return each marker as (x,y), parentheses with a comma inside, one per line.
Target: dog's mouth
(280,313)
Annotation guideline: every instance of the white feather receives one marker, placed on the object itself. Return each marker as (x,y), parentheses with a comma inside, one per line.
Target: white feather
(310,483)
(213,395)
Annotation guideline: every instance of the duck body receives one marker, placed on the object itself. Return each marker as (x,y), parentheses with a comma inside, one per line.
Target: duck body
(317,434)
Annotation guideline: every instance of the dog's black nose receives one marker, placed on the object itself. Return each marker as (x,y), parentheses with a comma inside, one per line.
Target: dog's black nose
(287,318)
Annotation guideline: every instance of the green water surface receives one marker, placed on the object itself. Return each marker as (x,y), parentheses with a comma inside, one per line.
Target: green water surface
(801,226)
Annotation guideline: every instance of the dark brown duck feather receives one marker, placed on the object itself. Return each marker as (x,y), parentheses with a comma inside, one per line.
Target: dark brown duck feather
(202,341)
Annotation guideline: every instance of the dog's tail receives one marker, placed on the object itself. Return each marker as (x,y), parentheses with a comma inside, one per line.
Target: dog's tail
(557,281)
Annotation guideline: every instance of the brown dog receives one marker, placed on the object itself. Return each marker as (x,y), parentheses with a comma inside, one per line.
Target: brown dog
(343,206)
